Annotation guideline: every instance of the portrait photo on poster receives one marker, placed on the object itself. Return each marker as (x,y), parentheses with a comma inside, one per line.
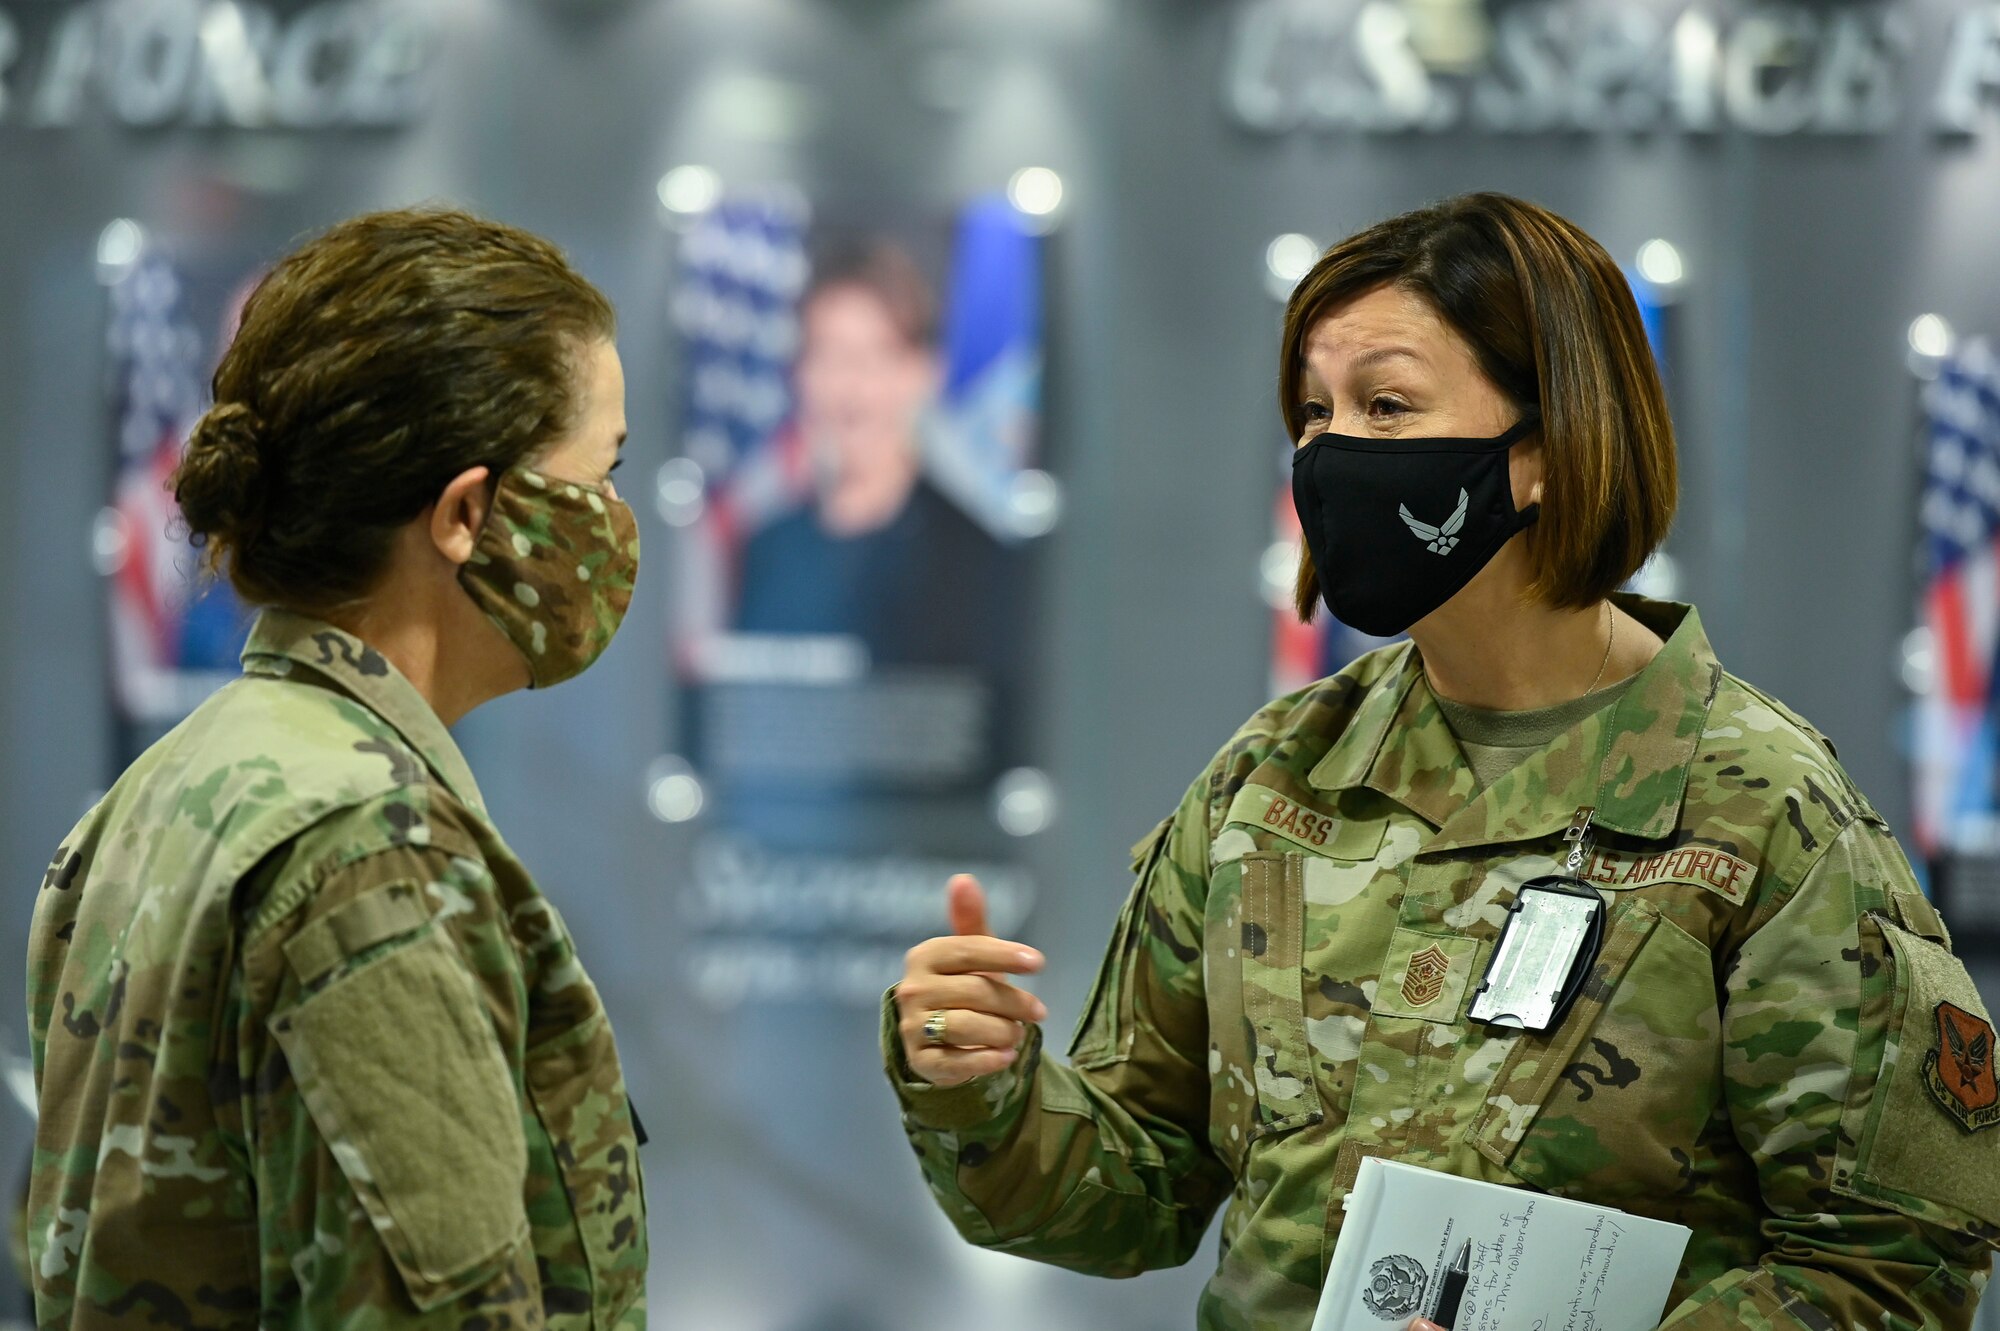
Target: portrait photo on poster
(859,503)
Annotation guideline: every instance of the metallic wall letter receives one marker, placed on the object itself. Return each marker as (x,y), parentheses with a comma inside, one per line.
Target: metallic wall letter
(1764,81)
(67,68)
(10,50)
(1521,91)
(388,87)
(1858,85)
(308,77)
(230,85)
(1971,70)
(1252,87)
(1405,96)
(1618,72)
(155,46)
(1697,60)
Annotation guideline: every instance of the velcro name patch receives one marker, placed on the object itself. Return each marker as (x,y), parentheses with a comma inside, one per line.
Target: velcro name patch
(1328,834)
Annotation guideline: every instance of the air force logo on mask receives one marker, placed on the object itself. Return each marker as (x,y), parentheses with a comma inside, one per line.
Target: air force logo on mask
(1438,540)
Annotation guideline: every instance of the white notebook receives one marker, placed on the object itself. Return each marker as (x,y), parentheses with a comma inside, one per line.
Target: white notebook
(1531,1260)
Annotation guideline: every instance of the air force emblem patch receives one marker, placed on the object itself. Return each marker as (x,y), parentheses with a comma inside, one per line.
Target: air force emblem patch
(1441,539)
(1959,1071)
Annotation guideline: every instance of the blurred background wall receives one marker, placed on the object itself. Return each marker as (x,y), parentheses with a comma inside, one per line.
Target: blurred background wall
(1829,201)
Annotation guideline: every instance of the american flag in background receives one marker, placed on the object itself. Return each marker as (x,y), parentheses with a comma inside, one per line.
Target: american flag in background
(743,267)
(174,636)
(993,365)
(1955,737)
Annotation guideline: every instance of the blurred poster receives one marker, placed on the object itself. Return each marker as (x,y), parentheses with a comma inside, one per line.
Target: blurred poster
(175,633)
(853,633)
(1957,735)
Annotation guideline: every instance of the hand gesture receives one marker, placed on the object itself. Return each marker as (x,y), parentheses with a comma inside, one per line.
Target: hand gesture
(959,1017)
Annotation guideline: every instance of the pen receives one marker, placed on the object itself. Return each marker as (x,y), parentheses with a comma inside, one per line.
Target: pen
(1452,1289)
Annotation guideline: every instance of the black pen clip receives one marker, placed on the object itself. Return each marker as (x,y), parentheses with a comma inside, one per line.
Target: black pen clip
(1451,1288)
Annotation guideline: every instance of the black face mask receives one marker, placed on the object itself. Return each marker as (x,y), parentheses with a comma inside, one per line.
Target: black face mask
(1397,526)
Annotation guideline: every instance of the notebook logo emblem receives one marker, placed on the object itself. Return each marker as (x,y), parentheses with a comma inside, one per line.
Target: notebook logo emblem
(1439,540)
(1395,1288)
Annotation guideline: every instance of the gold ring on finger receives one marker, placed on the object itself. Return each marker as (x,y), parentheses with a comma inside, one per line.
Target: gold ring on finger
(934,1029)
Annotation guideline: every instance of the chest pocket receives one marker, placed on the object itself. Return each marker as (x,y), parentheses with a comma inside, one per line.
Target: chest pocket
(1255,973)
(1611,1102)
(594,1267)
(1273,970)
(1255,949)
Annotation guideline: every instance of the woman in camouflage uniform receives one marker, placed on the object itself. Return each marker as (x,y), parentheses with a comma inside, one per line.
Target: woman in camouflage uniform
(311,1047)
(1774,1045)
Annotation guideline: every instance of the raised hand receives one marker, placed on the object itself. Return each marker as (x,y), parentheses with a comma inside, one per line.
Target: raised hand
(958,1015)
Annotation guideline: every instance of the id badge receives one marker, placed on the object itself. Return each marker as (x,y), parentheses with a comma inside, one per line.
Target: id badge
(1552,938)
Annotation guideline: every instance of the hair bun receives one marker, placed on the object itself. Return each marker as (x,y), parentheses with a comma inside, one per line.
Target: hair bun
(220,484)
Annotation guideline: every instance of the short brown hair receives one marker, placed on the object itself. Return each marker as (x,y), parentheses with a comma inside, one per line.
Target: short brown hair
(886,271)
(372,365)
(1552,323)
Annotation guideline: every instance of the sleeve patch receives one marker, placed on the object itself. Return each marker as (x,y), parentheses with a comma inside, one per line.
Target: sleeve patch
(406,1084)
(1959,1068)
(1914,1121)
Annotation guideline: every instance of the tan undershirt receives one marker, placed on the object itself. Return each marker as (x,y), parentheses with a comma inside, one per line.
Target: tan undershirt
(1496,742)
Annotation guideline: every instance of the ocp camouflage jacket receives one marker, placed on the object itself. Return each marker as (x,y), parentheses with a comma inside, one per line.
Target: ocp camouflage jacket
(1774,1046)
(311,1047)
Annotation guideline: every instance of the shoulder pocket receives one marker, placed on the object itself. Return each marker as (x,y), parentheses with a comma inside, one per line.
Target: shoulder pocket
(1923,1108)
(1103,1033)
(403,1076)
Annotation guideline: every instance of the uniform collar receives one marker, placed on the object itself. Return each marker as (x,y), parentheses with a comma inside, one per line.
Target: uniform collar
(1629,761)
(281,641)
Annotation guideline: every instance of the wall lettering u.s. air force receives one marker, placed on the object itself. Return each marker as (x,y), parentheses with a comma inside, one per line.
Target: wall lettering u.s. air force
(1704,866)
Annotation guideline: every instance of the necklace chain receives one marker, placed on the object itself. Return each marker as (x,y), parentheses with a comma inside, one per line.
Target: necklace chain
(1609,638)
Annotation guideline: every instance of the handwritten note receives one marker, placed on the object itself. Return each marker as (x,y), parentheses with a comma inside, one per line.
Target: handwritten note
(1495,1267)
(1537,1263)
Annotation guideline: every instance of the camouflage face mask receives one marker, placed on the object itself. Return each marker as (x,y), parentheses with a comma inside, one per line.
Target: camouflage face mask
(554,568)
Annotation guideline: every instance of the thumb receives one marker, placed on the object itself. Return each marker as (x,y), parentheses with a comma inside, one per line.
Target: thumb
(965,902)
